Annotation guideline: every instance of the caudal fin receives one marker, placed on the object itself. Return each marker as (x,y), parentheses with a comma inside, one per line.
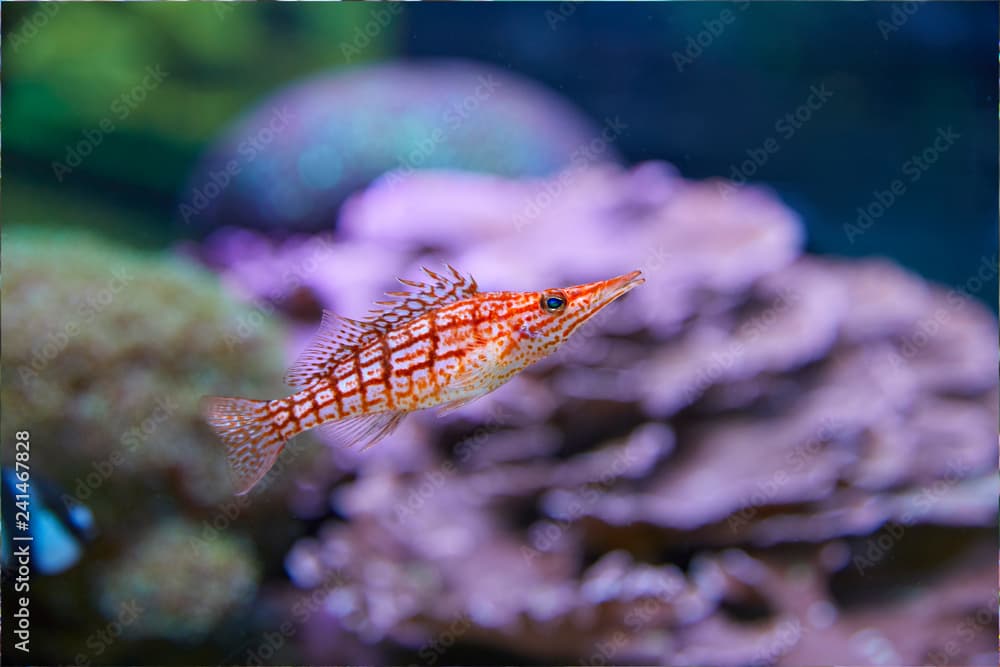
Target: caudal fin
(252,440)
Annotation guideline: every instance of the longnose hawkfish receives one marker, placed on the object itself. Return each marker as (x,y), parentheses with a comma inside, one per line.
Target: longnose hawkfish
(443,343)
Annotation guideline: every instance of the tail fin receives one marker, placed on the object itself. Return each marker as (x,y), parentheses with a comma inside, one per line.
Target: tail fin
(252,440)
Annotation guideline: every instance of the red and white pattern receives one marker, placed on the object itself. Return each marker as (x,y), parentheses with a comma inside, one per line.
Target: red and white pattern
(442,344)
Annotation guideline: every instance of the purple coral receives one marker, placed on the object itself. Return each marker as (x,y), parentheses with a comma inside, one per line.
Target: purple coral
(710,473)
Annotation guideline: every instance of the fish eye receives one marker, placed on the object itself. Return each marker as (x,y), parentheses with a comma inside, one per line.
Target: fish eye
(553,303)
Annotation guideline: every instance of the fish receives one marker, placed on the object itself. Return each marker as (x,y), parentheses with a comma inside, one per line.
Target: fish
(57,526)
(441,343)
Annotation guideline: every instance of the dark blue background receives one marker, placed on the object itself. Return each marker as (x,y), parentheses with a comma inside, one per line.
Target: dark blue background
(894,86)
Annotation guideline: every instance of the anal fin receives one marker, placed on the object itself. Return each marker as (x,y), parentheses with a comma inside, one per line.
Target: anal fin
(451,406)
(366,430)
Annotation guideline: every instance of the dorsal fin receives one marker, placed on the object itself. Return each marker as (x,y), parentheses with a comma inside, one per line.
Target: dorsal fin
(336,336)
(424,297)
(339,337)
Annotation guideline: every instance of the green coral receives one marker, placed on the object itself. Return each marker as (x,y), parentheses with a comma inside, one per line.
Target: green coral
(107,352)
(175,585)
(96,82)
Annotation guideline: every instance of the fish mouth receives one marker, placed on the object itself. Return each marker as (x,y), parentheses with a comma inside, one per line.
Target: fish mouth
(595,296)
(616,287)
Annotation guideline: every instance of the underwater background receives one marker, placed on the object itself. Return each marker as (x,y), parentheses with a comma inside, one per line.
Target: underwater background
(779,450)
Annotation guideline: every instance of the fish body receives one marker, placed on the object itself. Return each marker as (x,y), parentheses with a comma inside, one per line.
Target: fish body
(442,344)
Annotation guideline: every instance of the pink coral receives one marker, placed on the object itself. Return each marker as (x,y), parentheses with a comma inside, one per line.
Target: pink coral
(712,472)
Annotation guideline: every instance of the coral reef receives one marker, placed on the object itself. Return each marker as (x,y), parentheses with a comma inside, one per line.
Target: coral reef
(108,351)
(758,457)
(179,591)
(293,160)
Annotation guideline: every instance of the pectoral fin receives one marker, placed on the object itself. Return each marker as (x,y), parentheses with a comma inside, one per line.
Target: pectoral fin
(484,372)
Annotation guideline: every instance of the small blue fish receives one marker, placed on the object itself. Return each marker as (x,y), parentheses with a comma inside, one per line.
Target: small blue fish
(58,529)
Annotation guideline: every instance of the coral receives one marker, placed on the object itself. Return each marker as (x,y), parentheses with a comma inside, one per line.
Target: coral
(107,352)
(176,590)
(759,456)
(292,161)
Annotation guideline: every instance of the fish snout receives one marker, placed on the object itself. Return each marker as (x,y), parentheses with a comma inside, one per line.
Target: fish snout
(630,280)
(595,296)
(616,287)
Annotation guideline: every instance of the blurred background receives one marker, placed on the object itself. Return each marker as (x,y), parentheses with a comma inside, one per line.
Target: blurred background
(782,449)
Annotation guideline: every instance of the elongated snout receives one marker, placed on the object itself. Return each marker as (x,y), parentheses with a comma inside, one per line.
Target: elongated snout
(587,300)
(594,296)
